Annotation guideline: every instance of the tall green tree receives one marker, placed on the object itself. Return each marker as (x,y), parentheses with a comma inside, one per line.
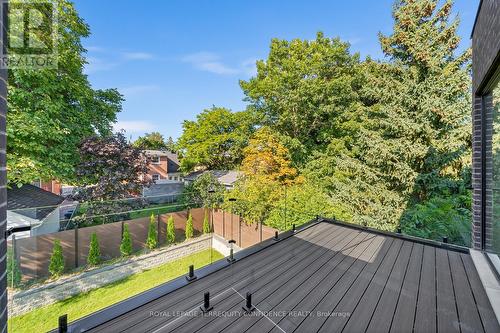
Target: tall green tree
(205,191)
(56,266)
(216,139)
(189,232)
(305,88)
(51,110)
(170,230)
(153,141)
(152,240)
(94,256)
(126,243)
(410,139)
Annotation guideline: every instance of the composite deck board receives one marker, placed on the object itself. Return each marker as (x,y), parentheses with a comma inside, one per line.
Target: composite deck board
(382,315)
(425,316)
(486,313)
(365,285)
(308,302)
(299,286)
(447,316)
(329,301)
(188,297)
(404,316)
(358,321)
(307,283)
(311,251)
(467,310)
(260,289)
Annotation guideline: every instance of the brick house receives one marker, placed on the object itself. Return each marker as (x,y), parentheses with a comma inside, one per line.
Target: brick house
(164,166)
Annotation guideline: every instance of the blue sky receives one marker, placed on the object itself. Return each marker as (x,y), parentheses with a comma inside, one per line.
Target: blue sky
(172,59)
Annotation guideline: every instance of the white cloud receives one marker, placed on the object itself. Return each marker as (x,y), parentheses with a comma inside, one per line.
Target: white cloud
(354,41)
(138,89)
(97,65)
(137,55)
(209,62)
(134,126)
(249,67)
(92,48)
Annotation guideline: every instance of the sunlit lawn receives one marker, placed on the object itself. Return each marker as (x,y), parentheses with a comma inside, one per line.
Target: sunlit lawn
(46,318)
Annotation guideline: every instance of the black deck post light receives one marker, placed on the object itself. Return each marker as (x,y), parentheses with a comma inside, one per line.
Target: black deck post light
(190,277)
(293,228)
(63,324)
(206,303)
(399,230)
(276,236)
(445,239)
(248,303)
(231,251)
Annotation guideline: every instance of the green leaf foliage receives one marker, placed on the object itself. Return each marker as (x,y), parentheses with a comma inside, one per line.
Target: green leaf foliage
(216,139)
(189,227)
(94,256)
(14,275)
(440,217)
(51,110)
(206,224)
(56,266)
(170,230)
(152,240)
(153,141)
(126,243)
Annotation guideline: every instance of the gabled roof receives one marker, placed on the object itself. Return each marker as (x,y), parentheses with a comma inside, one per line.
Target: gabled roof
(171,156)
(29,196)
(225,177)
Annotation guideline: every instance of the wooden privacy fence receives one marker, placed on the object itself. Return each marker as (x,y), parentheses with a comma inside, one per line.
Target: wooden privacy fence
(33,253)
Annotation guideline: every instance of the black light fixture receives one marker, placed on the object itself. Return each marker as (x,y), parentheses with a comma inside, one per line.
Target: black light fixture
(63,324)
(206,303)
(248,303)
(231,256)
(190,277)
(276,237)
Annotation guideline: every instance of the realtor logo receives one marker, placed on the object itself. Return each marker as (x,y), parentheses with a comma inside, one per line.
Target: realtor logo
(30,36)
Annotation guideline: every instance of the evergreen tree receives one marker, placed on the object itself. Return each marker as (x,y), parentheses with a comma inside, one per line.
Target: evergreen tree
(14,275)
(126,243)
(206,224)
(189,227)
(409,139)
(152,240)
(94,256)
(170,230)
(56,266)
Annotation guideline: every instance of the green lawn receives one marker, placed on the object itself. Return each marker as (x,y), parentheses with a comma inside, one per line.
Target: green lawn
(45,318)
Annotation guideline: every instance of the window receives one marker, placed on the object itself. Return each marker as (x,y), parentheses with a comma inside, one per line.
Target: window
(169,177)
(155,159)
(156,177)
(495,237)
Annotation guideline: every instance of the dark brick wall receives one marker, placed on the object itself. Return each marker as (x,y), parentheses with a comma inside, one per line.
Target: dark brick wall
(485,55)
(485,42)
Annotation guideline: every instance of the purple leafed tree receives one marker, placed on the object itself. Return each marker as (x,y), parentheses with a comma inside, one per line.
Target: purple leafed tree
(111,168)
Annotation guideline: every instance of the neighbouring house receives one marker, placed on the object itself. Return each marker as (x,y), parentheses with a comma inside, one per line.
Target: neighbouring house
(164,166)
(30,207)
(55,187)
(226,177)
(164,170)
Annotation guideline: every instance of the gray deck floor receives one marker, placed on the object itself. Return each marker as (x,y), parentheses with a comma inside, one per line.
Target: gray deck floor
(329,278)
